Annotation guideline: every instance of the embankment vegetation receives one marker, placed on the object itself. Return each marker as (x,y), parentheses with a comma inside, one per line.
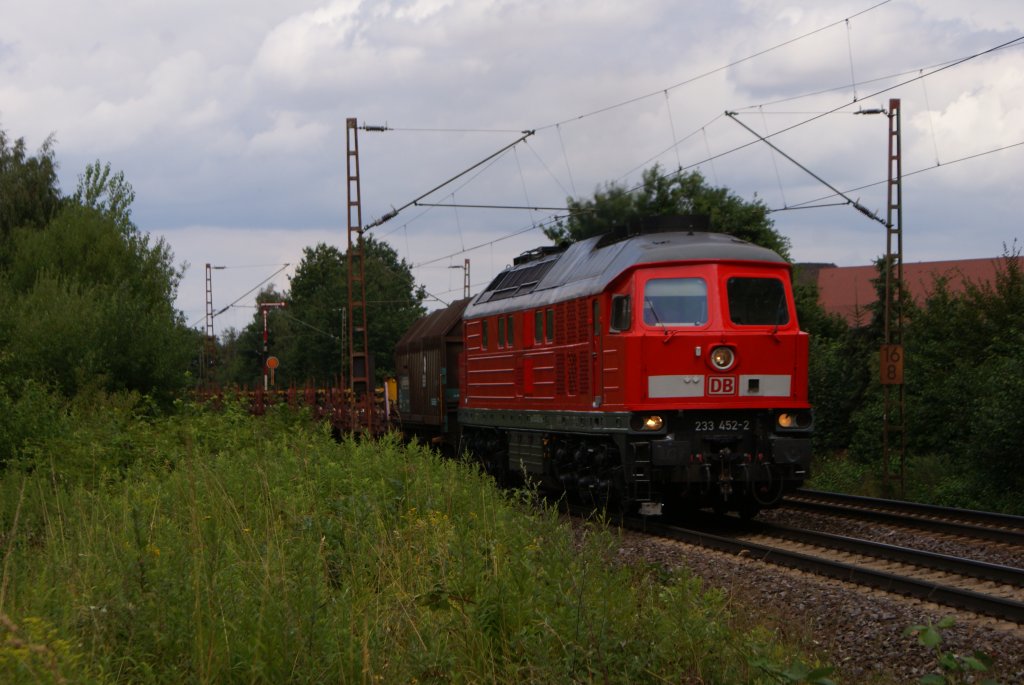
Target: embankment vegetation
(218,547)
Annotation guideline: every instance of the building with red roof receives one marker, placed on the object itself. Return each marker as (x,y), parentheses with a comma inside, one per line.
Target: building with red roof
(848,290)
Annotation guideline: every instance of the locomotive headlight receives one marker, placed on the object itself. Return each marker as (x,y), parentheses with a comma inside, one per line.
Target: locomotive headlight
(791,419)
(722,358)
(650,422)
(653,423)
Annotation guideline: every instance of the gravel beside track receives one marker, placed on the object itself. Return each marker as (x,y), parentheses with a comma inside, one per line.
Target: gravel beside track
(857,630)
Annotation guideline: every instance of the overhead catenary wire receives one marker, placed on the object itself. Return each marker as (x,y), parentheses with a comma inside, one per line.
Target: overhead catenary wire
(947,65)
(557,125)
(811,204)
(287,315)
(920,75)
(672,127)
(711,72)
(855,203)
(931,121)
(775,165)
(248,292)
(532,208)
(427,207)
(394,212)
(711,157)
(1016,41)
(849,46)
(499,239)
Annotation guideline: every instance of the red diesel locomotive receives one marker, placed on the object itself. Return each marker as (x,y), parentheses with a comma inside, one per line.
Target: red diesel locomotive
(646,369)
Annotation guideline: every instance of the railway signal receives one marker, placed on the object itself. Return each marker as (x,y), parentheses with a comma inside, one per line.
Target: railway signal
(267,368)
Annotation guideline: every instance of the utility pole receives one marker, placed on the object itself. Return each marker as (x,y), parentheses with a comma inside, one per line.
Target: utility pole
(465,277)
(210,340)
(358,345)
(208,344)
(891,354)
(264,308)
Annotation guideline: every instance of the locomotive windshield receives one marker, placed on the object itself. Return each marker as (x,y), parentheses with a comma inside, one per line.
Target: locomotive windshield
(757,302)
(676,302)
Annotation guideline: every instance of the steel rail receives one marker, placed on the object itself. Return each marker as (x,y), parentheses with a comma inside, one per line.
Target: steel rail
(968,600)
(981,518)
(933,561)
(886,511)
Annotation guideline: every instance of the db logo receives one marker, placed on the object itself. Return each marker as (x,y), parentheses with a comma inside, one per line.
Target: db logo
(721,385)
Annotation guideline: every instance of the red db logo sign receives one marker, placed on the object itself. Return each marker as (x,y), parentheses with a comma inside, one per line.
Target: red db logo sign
(721,385)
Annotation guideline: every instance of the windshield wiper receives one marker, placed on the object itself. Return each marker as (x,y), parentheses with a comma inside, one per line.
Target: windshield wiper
(657,319)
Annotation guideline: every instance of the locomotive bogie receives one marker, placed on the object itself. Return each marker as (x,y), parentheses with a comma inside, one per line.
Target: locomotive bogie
(739,461)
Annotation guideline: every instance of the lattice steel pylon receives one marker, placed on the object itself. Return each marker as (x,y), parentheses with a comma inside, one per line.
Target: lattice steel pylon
(894,420)
(360,381)
(209,343)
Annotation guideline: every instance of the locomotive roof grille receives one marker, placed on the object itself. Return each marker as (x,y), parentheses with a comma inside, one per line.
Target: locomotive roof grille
(519,280)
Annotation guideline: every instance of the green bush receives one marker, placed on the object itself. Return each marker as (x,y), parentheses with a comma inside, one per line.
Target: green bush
(27,419)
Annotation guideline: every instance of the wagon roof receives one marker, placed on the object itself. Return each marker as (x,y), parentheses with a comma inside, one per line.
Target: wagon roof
(587,267)
(437,324)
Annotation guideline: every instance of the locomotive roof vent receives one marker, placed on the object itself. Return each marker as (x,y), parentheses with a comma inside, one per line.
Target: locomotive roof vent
(674,223)
(538,253)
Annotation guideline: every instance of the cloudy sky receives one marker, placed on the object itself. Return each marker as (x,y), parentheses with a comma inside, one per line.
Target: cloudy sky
(228,118)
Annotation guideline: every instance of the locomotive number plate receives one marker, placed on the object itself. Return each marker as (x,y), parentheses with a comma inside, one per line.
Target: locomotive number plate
(720,425)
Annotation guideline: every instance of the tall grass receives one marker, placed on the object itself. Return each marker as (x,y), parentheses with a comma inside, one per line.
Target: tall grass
(213,548)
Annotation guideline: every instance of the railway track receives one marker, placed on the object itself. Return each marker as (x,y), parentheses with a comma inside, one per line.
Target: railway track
(966,523)
(974,586)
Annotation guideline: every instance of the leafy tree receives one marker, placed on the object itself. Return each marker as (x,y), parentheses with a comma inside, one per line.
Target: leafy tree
(88,298)
(309,336)
(317,301)
(393,302)
(983,359)
(29,191)
(107,192)
(839,375)
(90,304)
(615,206)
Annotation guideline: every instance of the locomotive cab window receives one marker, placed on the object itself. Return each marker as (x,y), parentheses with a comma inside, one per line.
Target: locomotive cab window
(757,301)
(620,313)
(676,302)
